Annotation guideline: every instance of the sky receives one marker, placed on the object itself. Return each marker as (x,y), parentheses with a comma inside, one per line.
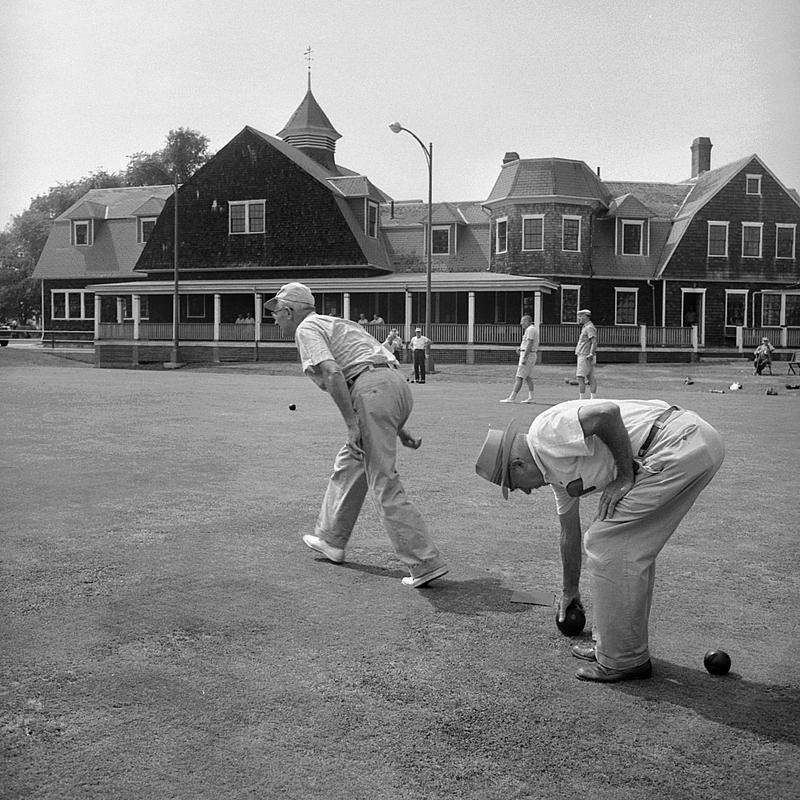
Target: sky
(625,86)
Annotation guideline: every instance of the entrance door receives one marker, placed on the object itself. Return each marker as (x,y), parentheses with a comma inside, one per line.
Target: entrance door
(693,311)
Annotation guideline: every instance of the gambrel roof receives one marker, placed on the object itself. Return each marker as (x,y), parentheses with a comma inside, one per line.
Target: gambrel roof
(115,248)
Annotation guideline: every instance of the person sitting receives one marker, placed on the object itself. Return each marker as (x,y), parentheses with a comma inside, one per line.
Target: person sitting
(762,357)
(362,320)
(377,319)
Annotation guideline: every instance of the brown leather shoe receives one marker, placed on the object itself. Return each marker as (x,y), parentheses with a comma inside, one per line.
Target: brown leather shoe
(586,652)
(601,674)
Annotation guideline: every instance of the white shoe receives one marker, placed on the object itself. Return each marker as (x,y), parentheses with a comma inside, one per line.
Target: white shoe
(421,580)
(335,554)
(529,400)
(509,400)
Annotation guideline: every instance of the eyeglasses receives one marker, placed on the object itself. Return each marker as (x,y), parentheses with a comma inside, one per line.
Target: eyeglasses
(278,310)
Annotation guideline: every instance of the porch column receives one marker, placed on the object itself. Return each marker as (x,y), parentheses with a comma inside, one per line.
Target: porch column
(409,313)
(695,338)
(97,308)
(740,338)
(471,318)
(120,311)
(217,315)
(259,315)
(346,305)
(537,309)
(643,337)
(136,308)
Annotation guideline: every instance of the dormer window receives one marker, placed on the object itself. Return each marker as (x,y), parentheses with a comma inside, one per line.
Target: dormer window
(82,232)
(146,225)
(441,240)
(632,237)
(372,219)
(246,216)
(753,184)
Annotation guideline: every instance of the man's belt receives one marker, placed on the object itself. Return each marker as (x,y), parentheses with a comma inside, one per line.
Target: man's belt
(657,426)
(362,368)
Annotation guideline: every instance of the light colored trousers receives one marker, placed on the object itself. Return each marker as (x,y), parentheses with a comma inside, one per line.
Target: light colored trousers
(621,551)
(383,402)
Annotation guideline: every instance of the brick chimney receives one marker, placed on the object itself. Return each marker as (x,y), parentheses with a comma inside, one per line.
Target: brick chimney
(701,155)
(510,156)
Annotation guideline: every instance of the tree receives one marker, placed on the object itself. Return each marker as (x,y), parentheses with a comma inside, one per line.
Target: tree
(184,152)
(24,238)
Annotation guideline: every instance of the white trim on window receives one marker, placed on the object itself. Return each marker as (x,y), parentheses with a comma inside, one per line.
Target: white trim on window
(717,224)
(85,302)
(504,222)
(744,293)
(786,226)
(530,218)
(371,218)
(632,223)
(82,229)
(618,292)
(786,318)
(571,218)
(753,226)
(144,233)
(573,317)
(752,182)
(253,220)
(439,251)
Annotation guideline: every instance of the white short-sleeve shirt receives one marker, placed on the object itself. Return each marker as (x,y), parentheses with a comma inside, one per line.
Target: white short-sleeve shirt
(574,464)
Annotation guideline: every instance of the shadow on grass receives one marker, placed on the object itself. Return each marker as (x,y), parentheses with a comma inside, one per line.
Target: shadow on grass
(475,596)
(768,711)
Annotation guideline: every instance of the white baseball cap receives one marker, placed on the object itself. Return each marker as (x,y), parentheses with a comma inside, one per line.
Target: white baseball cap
(585,311)
(291,293)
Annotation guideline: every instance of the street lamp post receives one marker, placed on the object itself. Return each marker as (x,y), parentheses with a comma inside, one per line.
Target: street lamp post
(173,363)
(396,127)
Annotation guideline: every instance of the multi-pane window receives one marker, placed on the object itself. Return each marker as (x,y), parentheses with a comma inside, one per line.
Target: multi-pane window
(82,232)
(718,239)
(571,234)
(501,236)
(625,305)
(632,237)
(372,219)
(753,184)
(246,216)
(533,233)
(441,240)
(196,306)
(146,225)
(780,309)
(127,307)
(751,239)
(71,305)
(735,307)
(570,298)
(784,240)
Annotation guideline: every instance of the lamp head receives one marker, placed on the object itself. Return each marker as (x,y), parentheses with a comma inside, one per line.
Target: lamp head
(395,127)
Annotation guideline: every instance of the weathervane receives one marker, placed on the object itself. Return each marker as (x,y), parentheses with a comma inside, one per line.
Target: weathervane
(309,59)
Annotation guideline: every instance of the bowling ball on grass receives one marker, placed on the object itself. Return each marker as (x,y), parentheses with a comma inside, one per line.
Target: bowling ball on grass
(574,620)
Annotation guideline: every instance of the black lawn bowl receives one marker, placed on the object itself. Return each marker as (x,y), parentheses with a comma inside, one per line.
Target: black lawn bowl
(717,662)
(574,620)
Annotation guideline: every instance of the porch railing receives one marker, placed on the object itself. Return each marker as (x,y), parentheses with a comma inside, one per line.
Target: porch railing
(550,335)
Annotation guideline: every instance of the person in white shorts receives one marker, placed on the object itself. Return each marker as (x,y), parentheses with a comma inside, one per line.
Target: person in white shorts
(650,461)
(586,352)
(528,353)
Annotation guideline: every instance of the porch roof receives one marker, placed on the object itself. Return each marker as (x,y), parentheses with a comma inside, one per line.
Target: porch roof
(404,281)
